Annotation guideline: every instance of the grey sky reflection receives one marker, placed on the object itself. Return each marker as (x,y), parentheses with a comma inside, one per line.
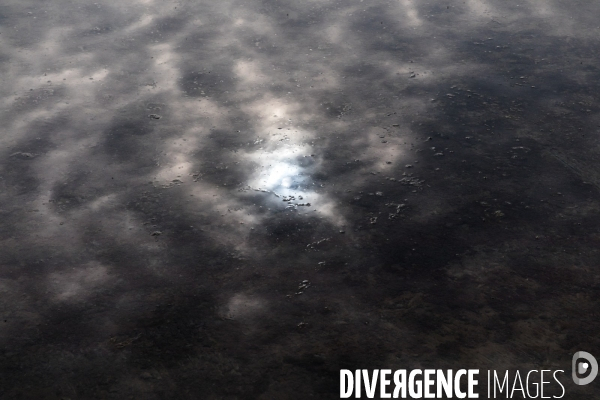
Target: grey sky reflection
(157,160)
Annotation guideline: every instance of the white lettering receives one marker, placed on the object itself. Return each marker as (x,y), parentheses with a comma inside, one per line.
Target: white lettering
(411,384)
(542,384)
(445,383)
(472,383)
(432,384)
(385,382)
(517,378)
(400,382)
(459,394)
(557,381)
(427,383)
(504,382)
(370,383)
(535,384)
(346,383)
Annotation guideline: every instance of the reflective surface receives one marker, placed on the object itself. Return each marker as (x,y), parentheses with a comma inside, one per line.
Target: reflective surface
(235,200)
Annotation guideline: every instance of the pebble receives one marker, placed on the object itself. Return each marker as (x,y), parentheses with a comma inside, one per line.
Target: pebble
(305,284)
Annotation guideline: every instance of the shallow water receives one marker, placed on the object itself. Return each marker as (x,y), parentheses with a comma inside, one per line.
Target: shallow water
(235,200)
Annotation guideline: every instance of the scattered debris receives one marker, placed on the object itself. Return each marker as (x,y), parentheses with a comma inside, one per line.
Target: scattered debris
(305,284)
(318,242)
(411,181)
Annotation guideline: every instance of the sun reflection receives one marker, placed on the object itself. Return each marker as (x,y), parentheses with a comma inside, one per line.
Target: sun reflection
(281,176)
(279,170)
(284,176)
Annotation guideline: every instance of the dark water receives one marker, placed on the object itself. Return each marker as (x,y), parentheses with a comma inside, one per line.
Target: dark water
(235,200)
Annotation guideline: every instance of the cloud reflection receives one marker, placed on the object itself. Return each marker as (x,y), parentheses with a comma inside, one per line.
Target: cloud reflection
(175,170)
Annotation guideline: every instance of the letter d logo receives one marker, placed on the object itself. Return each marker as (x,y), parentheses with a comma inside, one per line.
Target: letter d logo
(583,367)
